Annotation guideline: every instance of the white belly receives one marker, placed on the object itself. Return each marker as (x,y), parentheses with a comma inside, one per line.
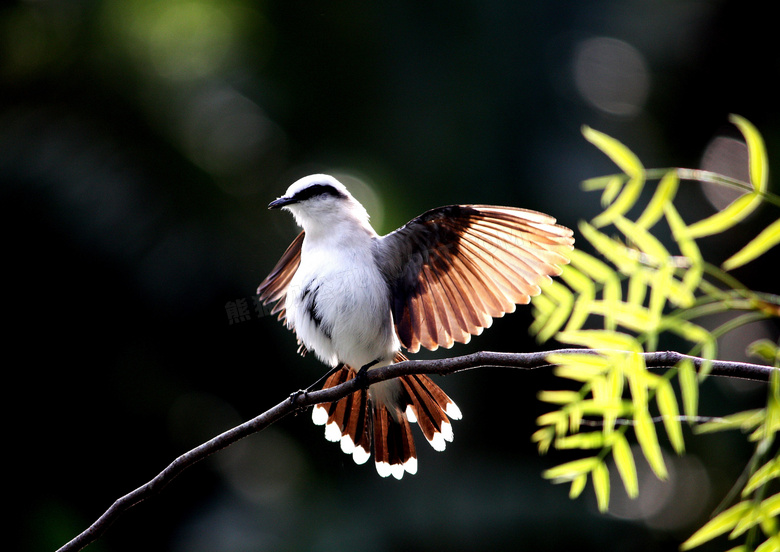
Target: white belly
(342,315)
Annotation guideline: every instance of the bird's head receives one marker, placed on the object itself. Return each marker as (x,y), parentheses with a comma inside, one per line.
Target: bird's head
(319,201)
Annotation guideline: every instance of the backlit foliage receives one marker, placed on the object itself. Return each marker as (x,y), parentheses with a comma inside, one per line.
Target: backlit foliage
(622,301)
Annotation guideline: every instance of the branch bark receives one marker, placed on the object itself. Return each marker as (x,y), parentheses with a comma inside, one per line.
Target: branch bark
(445,366)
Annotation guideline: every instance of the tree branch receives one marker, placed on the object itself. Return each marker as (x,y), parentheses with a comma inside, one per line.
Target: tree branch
(522,361)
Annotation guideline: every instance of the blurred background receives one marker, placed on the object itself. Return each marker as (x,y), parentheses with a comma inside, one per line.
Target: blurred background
(140,143)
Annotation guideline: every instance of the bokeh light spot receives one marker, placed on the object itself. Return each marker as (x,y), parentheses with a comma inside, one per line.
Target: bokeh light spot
(611,75)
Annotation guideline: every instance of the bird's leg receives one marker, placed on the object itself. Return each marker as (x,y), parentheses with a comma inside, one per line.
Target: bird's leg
(363,372)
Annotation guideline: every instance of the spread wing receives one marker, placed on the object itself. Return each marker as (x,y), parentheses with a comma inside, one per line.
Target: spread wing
(274,288)
(453,269)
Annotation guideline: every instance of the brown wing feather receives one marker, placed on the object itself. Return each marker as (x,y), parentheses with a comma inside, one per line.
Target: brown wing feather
(274,288)
(453,269)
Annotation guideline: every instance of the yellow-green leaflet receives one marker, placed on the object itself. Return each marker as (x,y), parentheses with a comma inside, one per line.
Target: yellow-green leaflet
(758,163)
(648,440)
(570,470)
(666,190)
(667,406)
(629,164)
(600,475)
(624,460)
(741,207)
(723,522)
(766,240)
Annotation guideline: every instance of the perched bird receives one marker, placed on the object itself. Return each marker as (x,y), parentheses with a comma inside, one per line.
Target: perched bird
(355,298)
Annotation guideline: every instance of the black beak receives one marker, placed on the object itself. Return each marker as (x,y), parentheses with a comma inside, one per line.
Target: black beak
(281,202)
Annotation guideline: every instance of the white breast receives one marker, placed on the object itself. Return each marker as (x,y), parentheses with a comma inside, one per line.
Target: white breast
(338,304)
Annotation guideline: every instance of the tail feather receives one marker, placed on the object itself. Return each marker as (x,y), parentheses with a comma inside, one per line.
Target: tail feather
(378,420)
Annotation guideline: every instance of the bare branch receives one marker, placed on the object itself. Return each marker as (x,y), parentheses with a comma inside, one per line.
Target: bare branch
(522,361)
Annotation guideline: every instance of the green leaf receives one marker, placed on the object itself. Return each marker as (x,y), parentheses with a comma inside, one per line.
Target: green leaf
(664,194)
(689,387)
(558,397)
(757,159)
(741,207)
(543,438)
(648,441)
(557,419)
(611,190)
(688,248)
(772,544)
(570,470)
(629,163)
(644,240)
(623,157)
(624,460)
(770,507)
(577,486)
(667,406)
(766,240)
(767,472)
(616,252)
(765,349)
(611,342)
(581,441)
(746,420)
(726,218)
(722,523)
(562,300)
(600,475)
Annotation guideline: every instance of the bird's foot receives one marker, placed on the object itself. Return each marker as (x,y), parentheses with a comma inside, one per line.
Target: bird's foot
(362,375)
(294,395)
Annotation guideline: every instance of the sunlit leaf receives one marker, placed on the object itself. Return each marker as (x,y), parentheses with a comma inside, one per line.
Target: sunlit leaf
(648,441)
(558,397)
(644,240)
(726,218)
(664,194)
(616,252)
(722,523)
(571,470)
(543,438)
(557,419)
(667,406)
(750,518)
(770,507)
(629,164)
(600,475)
(637,288)
(772,544)
(563,300)
(599,182)
(766,240)
(602,339)
(765,349)
(611,190)
(688,248)
(758,163)
(689,388)
(623,157)
(624,460)
(746,420)
(577,486)
(581,441)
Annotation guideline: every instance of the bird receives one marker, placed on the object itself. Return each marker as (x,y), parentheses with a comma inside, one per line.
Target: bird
(357,300)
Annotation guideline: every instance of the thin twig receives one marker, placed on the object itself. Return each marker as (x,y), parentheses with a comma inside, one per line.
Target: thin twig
(523,361)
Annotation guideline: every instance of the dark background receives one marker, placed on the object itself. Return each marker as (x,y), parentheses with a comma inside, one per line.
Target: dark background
(140,142)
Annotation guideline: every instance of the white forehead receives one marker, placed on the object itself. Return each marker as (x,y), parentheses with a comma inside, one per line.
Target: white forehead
(314,180)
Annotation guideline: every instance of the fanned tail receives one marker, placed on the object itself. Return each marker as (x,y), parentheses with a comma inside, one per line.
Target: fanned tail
(378,420)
